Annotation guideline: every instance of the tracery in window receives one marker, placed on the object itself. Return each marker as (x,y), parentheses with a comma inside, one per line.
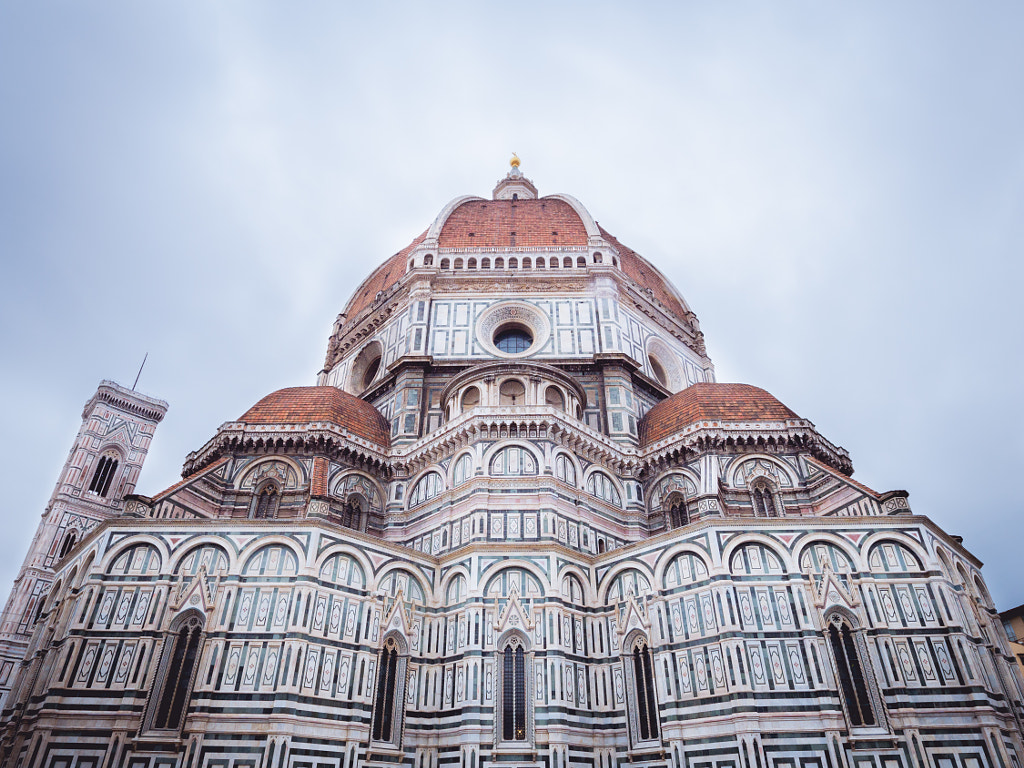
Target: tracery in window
(644,723)
(429,486)
(106,468)
(181,652)
(266,503)
(565,469)
(600,485)
(69,542)
(764,499)
(677,513)
(855,682)
(390,696)
(513,460)
(513,691)
(352,515)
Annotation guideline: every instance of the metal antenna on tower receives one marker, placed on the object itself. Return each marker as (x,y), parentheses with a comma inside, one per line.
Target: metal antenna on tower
(140,370)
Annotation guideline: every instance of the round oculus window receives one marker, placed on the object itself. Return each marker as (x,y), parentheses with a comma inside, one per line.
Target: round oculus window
(513,339)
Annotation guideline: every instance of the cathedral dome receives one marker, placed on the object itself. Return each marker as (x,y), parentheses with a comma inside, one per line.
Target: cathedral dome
(516,220)
(708,401)
(308,405)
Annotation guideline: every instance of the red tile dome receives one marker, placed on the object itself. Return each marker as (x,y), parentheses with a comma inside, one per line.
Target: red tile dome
(710,402)
(306,405)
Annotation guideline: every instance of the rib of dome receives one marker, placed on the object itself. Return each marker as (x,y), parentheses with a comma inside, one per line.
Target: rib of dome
(710,402)
(307,405)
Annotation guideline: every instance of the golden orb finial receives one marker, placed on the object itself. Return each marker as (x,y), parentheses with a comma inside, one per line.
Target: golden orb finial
(514,162)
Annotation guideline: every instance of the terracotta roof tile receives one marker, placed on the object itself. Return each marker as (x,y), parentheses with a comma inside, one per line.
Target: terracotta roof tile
(303,405)
(382,278)
(186,480)
(644,275)
(710,402)
(512,223)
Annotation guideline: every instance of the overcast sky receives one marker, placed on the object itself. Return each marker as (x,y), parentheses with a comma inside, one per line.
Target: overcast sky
(837,190)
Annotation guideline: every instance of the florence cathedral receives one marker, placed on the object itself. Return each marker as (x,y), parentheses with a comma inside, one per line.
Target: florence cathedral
(516,523)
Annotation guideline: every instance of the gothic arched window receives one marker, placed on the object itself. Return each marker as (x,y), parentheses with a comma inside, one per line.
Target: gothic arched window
(514,702)
(387,708)
(104,474)
(69,542)
(174,680)
(678,516)
(266,503)
(764,499)
(601,486)
(352,515)
(855,683)
(645,701)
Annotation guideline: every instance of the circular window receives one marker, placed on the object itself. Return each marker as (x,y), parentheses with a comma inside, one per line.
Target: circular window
(512,329)
(513,339)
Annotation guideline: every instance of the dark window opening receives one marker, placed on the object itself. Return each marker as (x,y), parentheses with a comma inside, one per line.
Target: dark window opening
(851,674)
(267,501)
(764,501)
(183,653)
(384,712)
(69,542)
(513,719)
(678,514)
(646,702)
(103,475)
(513,340)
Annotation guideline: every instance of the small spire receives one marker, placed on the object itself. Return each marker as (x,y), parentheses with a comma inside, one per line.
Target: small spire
(514,162)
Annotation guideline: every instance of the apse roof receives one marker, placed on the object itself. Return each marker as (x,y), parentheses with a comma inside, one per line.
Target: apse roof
(306,405)
(708,401)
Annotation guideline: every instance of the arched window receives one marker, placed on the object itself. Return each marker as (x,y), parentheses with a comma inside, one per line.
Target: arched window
(567,262)
(600,485)
(764,499)
(513,461)
(512,391)
(514,702)
(104,474)
(581,261)
(499,263)
(470,399)
(463,469)
(565,469)
(645,701)
(855,683)
(428,260)
(265,505)
(428,487)
(69,542)
(181,652)
(445,263)
(553,396)
(387,708)
(352,515)
(677,513)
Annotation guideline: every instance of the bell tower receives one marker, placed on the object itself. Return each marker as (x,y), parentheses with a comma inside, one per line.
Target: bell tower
(102,468)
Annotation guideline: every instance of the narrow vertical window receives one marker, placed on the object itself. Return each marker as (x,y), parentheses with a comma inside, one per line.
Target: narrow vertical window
(180,654)
(383,715)
(388,704)
(678,513)
(513,705)
(106,468)
(764,500)
(643,685)
(850,670)
(267,501)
